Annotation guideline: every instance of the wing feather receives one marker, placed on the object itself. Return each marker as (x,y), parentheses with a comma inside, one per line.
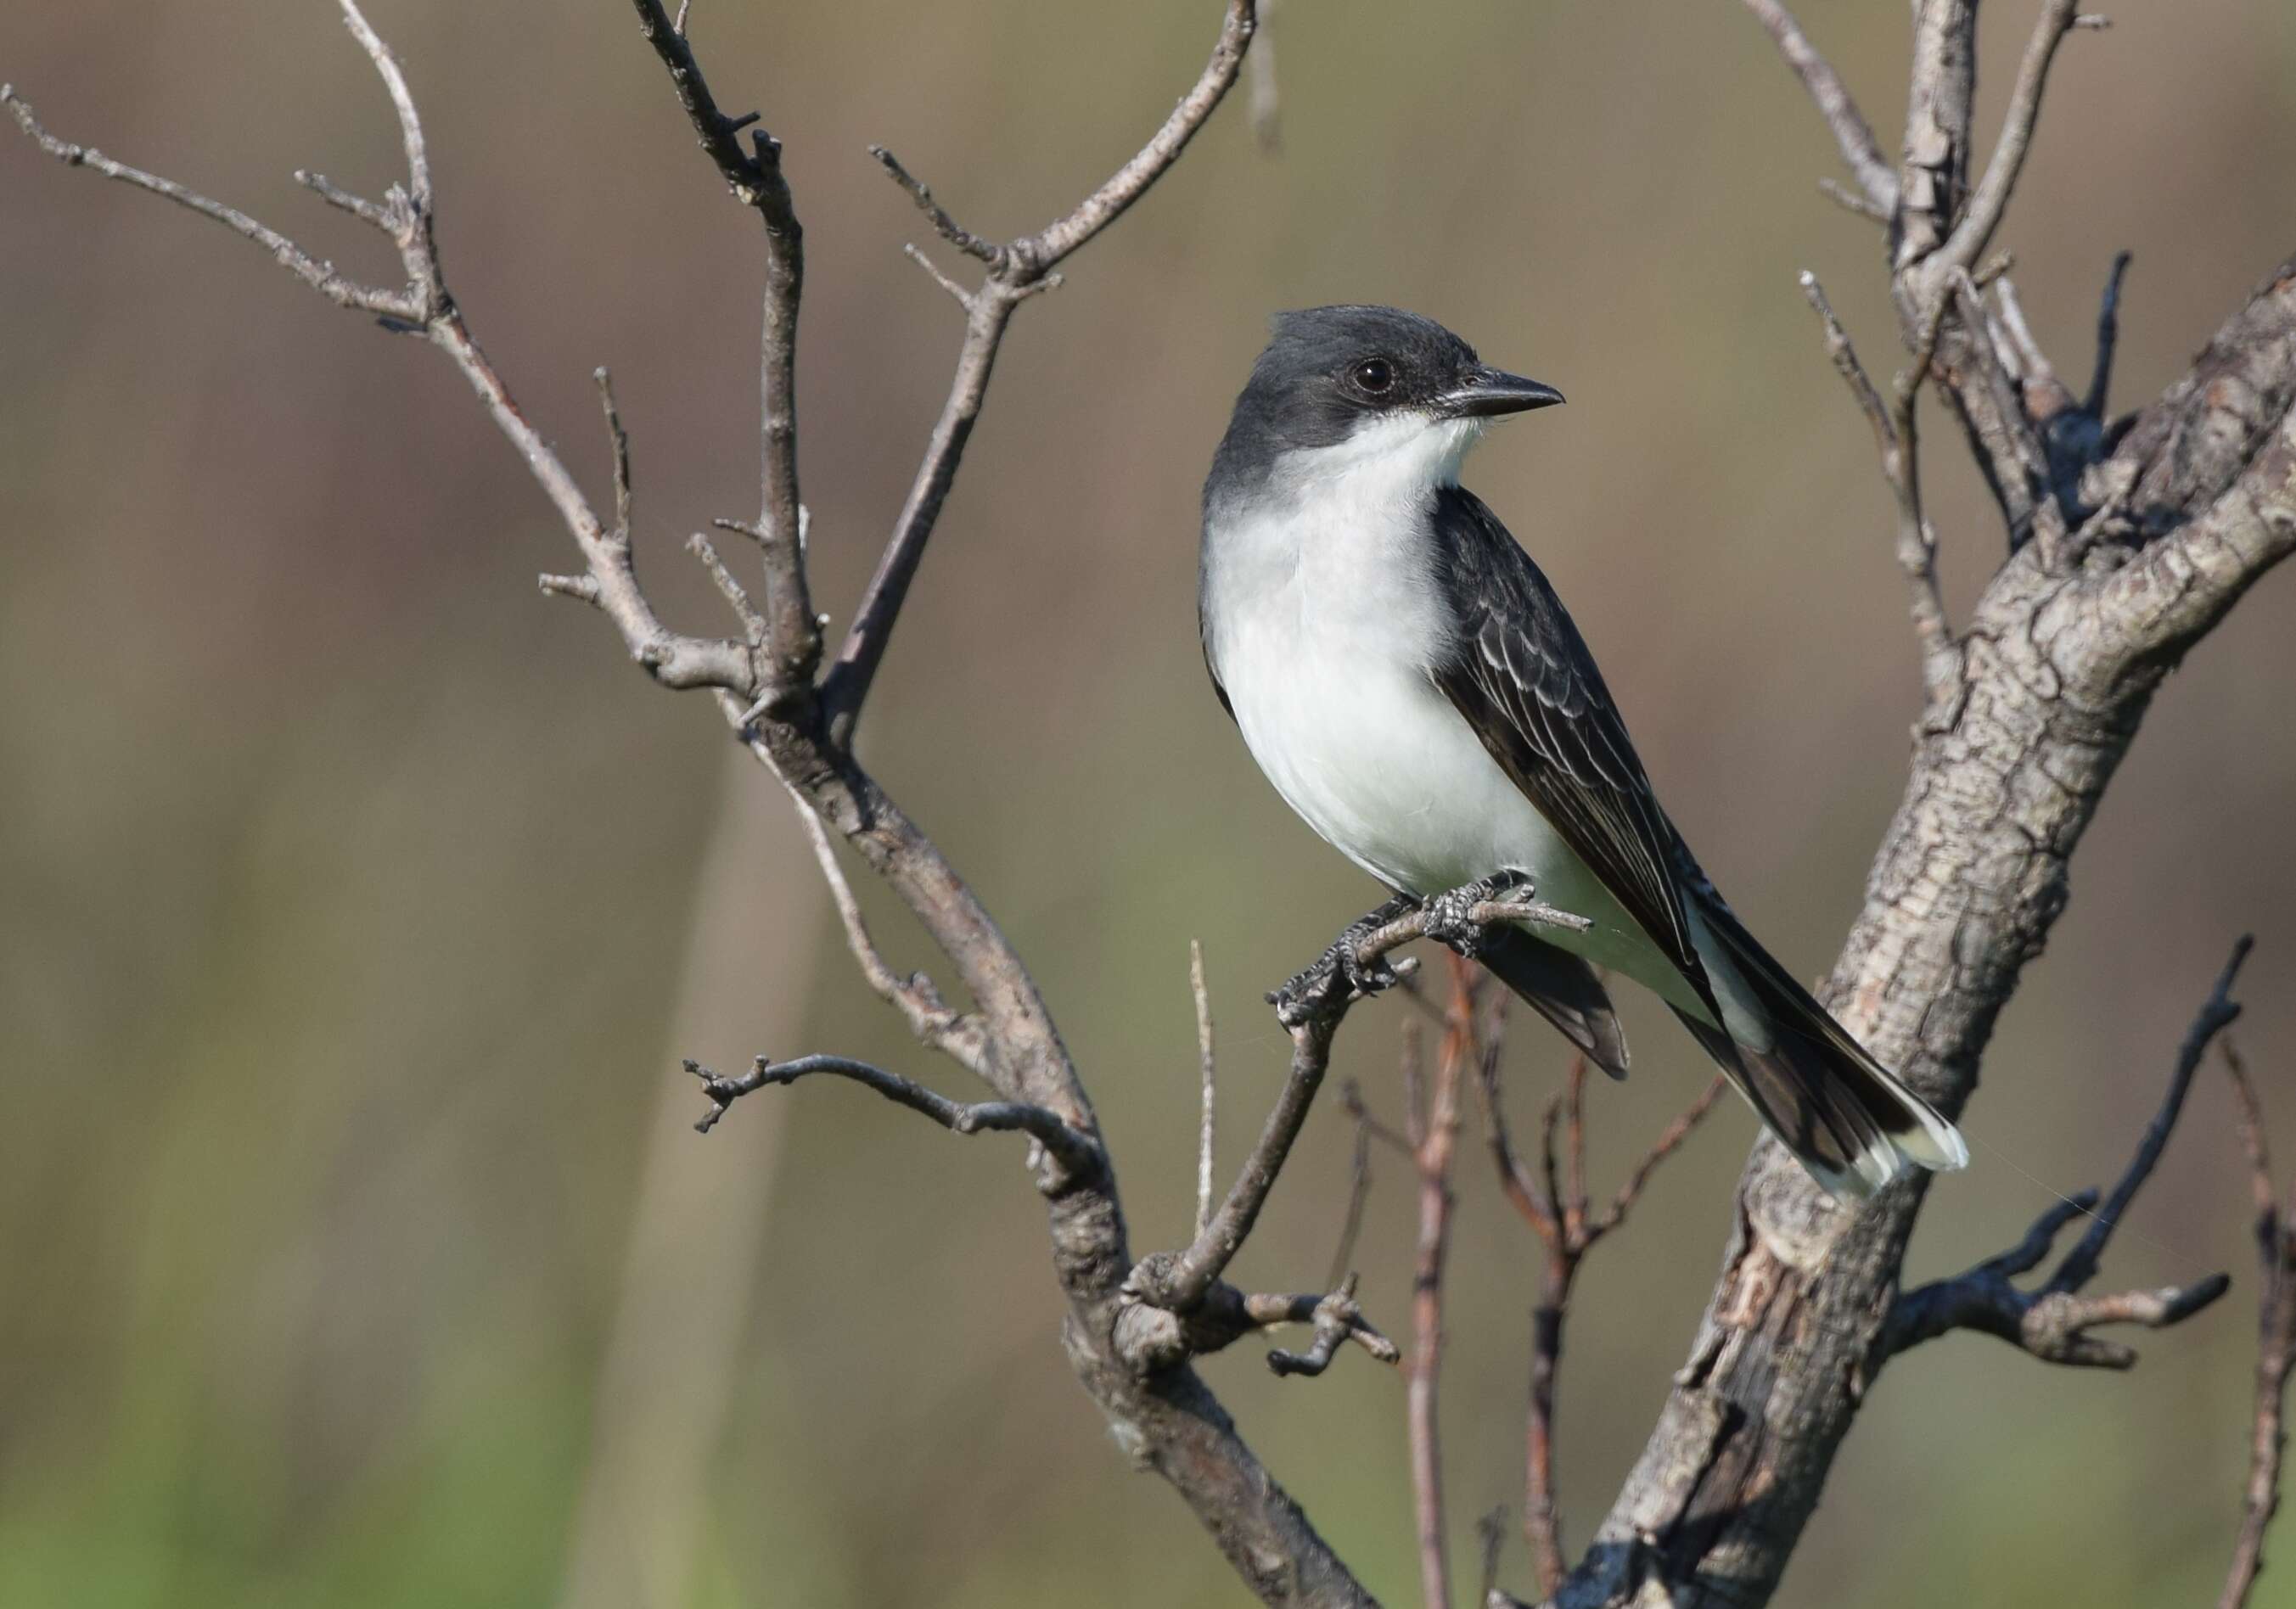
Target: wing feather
(1523,677)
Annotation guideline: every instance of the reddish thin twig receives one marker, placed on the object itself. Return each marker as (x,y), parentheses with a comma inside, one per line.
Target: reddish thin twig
(1554,1202)
(1434,1126)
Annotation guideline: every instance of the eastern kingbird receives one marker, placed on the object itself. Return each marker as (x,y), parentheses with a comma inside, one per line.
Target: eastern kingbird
(1407,679)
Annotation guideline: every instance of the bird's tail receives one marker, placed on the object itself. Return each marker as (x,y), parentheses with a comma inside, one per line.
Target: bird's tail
(1843,1116)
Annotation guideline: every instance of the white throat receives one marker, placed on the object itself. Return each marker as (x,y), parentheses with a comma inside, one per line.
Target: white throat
(1403,455)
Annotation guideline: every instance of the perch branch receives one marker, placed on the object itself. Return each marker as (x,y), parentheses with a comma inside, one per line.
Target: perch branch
(1313,1003)
(1153,1340)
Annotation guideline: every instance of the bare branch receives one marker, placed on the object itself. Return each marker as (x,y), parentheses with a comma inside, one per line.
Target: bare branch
(736,597)
(370,213)
(1669,1142)
(1075,1150)
(793,634)
(2275,1324)
(1435,1128)
(1971,235)
(945,226)
(1557,1214)
(1016,271)
(619,440)
(2218,1012)
(1359,1166)
(2107,333)
(2053,1322)
(582,588)
(963,296)
(2032,365)
(1048,246)
(321,276)
(1208,1123)
(1851,132)
(929,1017)
(402,102)
(1311,1007)
(1850,201)
(1896,437)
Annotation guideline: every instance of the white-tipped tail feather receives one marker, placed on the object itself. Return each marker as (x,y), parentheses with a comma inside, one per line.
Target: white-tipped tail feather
(1843,1116)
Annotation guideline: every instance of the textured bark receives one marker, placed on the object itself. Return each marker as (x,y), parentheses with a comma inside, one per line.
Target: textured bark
(2058,669)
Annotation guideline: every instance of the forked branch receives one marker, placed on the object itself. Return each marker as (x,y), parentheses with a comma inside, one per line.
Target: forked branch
(1017,270)
(2054,1321)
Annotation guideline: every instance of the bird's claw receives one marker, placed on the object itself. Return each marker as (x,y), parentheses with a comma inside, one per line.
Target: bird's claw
(1450,915)
(1338,974)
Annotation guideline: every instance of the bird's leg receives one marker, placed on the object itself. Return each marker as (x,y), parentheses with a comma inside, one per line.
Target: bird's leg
(1450,915)
(1337,975)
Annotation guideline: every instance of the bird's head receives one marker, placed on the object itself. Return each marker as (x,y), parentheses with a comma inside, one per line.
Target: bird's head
(1344,388)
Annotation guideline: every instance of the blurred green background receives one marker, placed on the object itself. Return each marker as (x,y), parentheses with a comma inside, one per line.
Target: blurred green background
(356,903)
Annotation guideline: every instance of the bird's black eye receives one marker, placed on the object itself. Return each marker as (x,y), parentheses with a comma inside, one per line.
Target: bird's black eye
(1375,375)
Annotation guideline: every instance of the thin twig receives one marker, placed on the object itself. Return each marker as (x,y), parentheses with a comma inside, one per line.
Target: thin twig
(372,213)
(2276,1354)
(619,440)
(944,225)
(1991,199)
(929,1017)
(1360,1172)
(321,276)
(1313,1003)
(1017,270)
(2108,332)
(1850,201)
(729,588)
(1896,438)
(1206,1130)
(963,296)
(1435,1127)
(794,644)
(2218,1012)
(1552,1201)
(1669,1140)
(1075,1150)
(2052,1321)
(1851,132)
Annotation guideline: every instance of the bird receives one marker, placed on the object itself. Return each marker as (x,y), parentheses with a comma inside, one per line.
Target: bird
(1408,681)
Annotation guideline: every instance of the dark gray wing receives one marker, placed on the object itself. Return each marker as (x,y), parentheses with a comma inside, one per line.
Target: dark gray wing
(1519,673)
(1562,989)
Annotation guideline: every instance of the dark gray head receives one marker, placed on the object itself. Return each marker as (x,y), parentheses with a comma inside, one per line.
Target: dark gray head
(1334,375)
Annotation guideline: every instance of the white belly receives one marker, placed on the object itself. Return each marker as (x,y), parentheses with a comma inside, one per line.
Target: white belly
(1373,756)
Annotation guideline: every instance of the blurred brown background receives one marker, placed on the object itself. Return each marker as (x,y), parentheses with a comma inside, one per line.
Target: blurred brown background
(355,901)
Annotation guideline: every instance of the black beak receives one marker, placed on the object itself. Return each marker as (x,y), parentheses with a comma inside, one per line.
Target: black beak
(1488,392)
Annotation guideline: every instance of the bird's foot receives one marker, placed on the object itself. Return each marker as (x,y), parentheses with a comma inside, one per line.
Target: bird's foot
(1450,915)
(1338,974)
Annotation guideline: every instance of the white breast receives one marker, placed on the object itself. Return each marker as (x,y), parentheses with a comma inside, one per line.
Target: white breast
(1322,617)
